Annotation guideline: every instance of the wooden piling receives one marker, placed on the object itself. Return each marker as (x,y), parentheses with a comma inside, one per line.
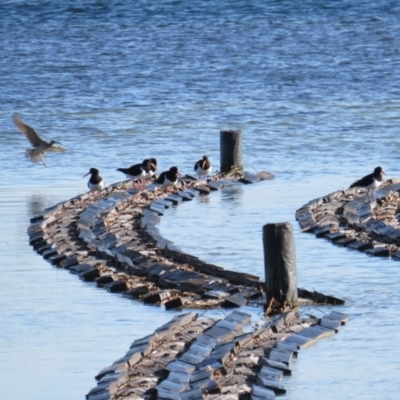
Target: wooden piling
(231,150)
(280,267)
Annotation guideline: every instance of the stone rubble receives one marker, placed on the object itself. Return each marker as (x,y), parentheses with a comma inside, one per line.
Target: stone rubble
(348,218)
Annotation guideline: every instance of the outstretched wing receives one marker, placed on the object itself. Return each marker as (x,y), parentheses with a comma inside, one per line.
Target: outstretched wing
(56,149)
(30,134)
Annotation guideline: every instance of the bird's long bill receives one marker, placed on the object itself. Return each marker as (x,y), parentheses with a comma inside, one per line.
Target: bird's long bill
(153,166)
(179,174)
(204,164)
(86,174)
(383,172)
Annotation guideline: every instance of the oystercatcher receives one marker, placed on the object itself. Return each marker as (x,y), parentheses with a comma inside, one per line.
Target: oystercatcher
(96,182)
(169,178)
(39,146)
(153,168)
(203,167)
(138,172)
(371,181)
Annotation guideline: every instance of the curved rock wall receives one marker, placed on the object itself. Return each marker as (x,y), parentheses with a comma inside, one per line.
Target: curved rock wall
(348,218)
(112,238)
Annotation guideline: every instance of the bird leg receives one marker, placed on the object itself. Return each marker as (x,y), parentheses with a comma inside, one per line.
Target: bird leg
(371,197)
(141,186)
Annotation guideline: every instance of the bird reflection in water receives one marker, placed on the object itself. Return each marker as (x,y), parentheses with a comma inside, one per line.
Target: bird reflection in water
(232,195)
(36,204)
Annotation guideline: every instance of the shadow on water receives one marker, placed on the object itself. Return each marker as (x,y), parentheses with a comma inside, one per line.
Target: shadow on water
(232,195)
(36,204)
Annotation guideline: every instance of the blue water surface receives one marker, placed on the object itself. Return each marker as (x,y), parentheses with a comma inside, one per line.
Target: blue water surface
(313,85)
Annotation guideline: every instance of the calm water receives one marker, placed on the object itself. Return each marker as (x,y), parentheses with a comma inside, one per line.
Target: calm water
(313,85)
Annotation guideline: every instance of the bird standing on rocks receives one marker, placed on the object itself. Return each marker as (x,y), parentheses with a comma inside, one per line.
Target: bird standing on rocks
(153,168)
(40,146)
(371,182)
(140,171)
(96,182)
(169,178)
(203,167)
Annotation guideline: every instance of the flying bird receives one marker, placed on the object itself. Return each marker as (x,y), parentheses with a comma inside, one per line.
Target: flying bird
(169,178)
(371,182)
(39,146)
(96,182)
(203,167)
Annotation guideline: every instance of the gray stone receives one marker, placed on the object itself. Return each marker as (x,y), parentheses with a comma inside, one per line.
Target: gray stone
(343,318)
(239,317)
(300,341)
(236,300)
(79,268)
(316,332)
(185,196)
(89,275)
(192,394)
(276,364)
(272,373)
(330,323)
(156,296)
(272,384)
(117,286)
(175,199)
(281,356)
(222,335)
(173,386)
(178,365)
(360,245)
(260,392)
(378,251)
(280,345)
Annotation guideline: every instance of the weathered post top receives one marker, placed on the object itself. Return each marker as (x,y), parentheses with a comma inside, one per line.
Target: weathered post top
(280,267)
(231,150)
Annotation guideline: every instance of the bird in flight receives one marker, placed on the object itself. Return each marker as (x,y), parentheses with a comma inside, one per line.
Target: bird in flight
(39,146)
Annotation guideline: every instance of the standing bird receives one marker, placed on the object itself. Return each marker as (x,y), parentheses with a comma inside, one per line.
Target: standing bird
(153,168)
(203,167)
(371,181)
(40,146)
(138,171)
(169,178)
(96,182)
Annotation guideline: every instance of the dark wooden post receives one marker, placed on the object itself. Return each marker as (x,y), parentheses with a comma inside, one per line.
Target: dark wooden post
(231,150)
(280,267)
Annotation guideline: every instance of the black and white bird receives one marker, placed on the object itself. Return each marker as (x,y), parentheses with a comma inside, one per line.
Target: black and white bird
(96,182)
(371,182)
(140,171)
(153,168)
(169,178)
(203,167)
(39,146)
